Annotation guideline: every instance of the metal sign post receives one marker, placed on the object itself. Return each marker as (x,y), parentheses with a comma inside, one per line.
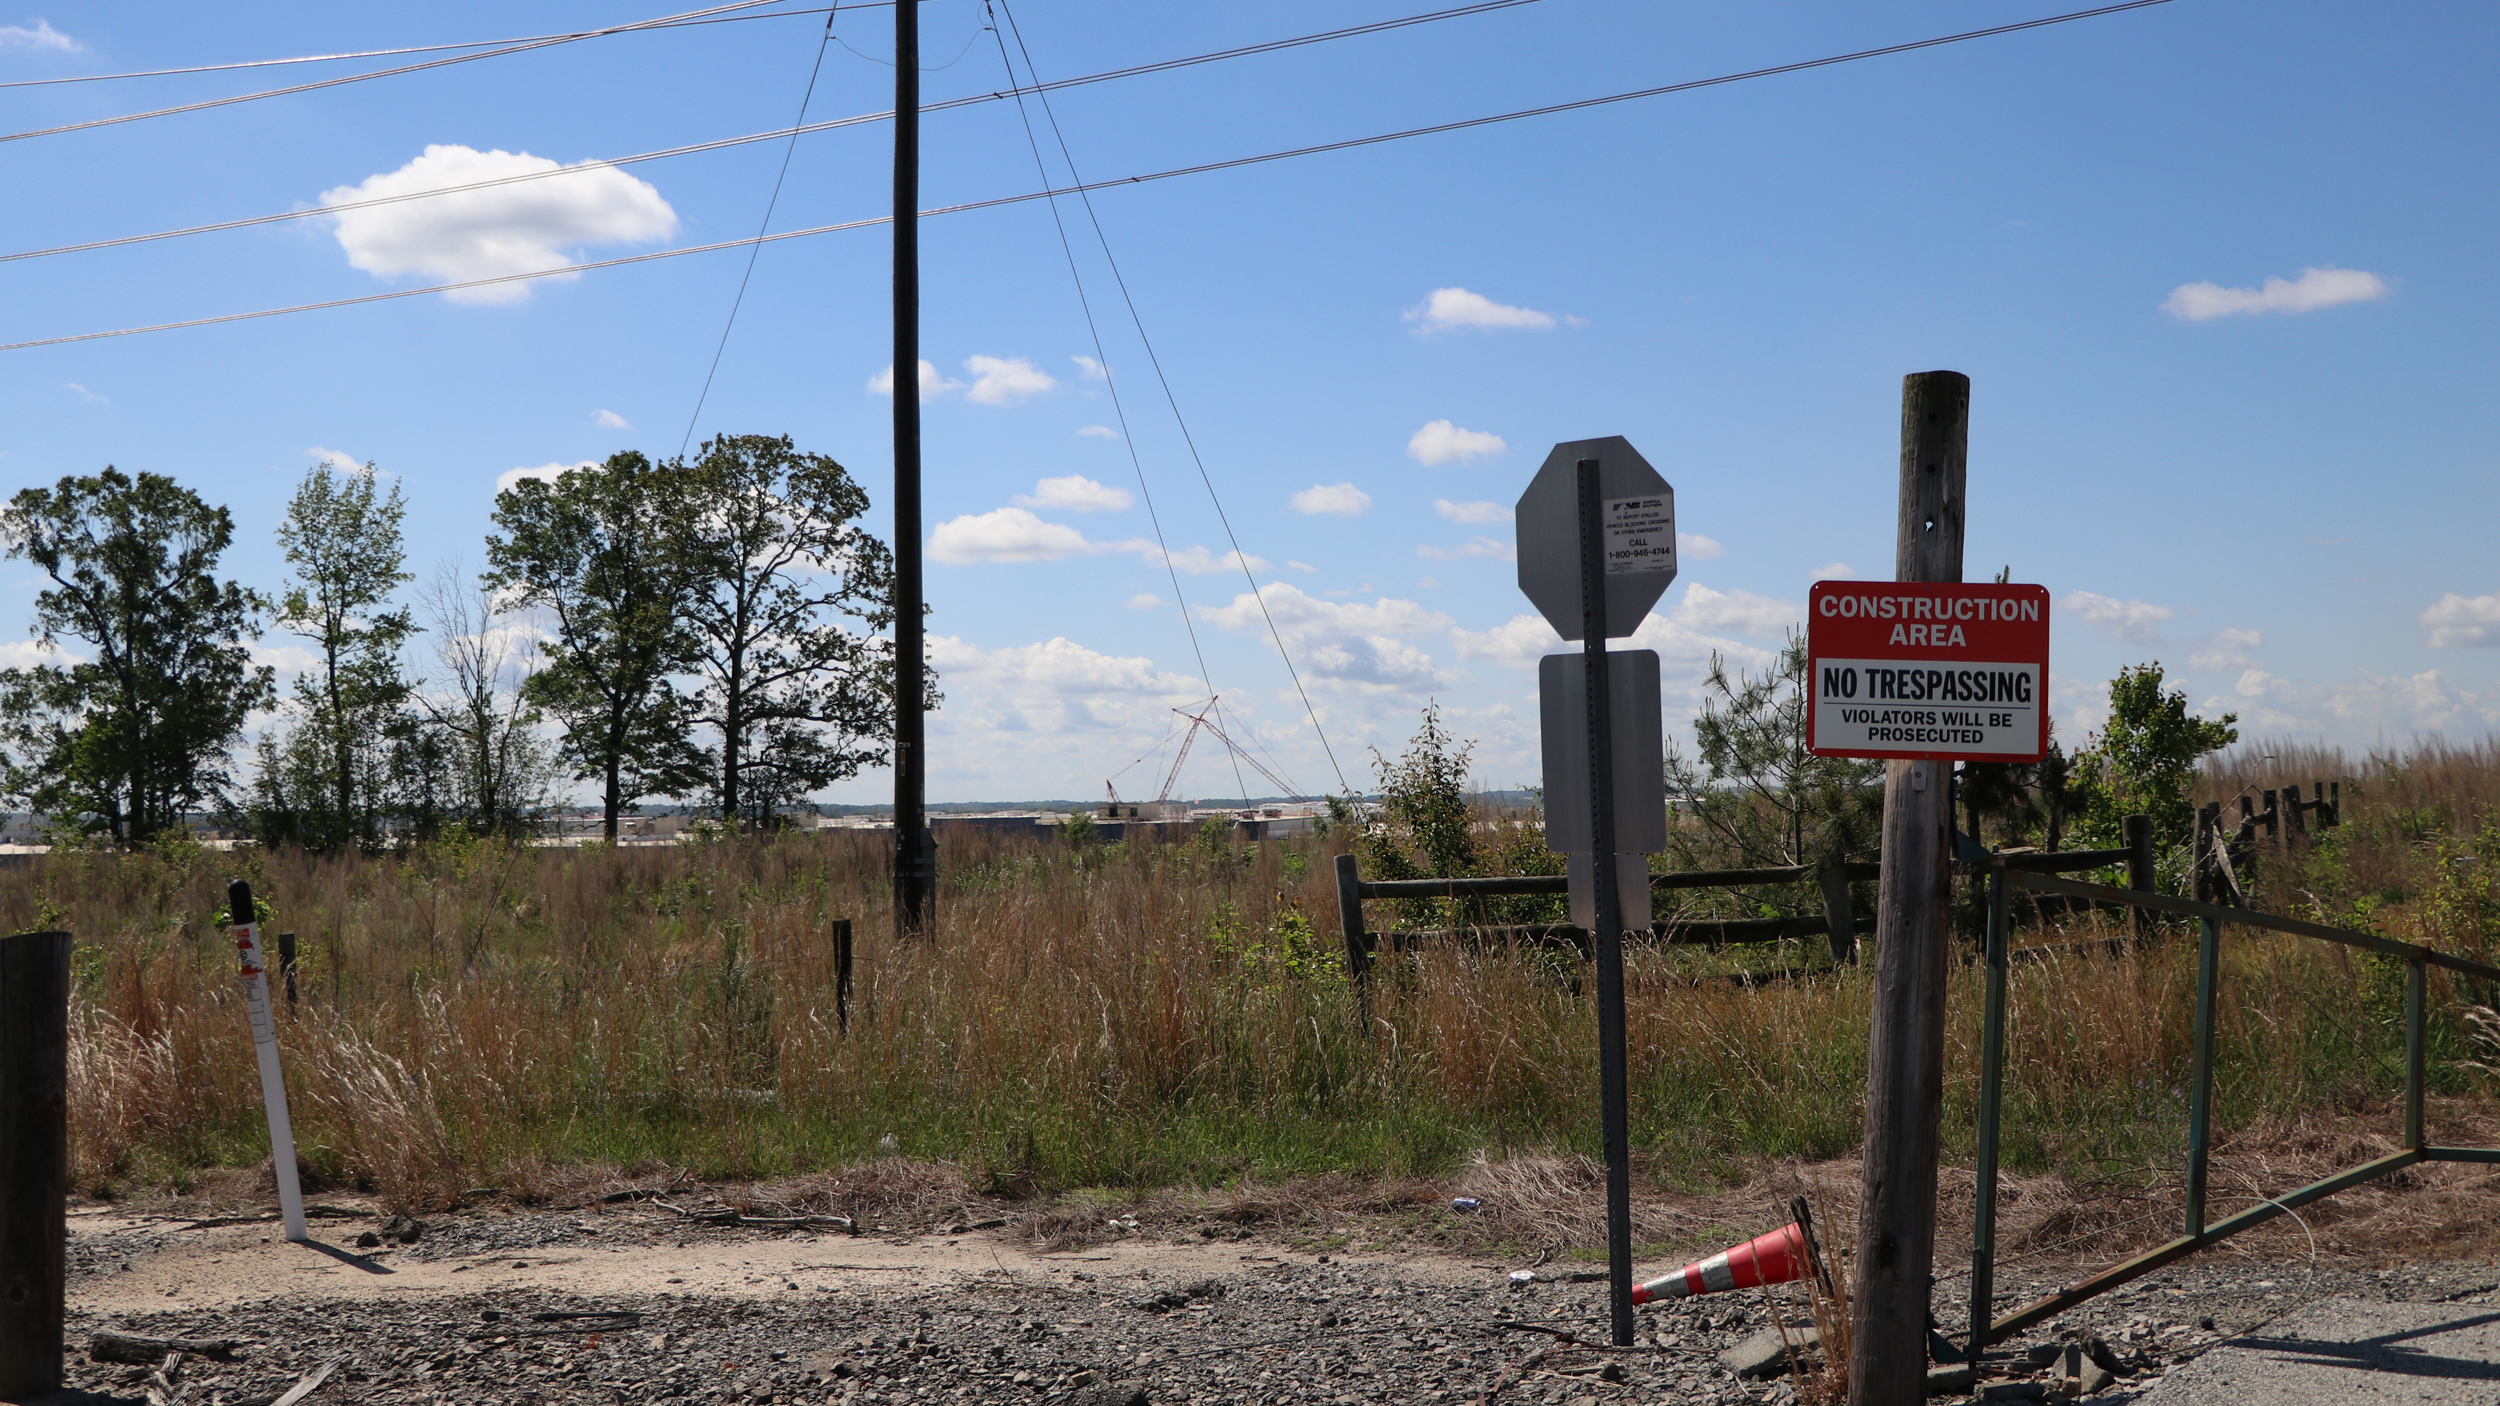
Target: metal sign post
(1596,550)
(265,1049)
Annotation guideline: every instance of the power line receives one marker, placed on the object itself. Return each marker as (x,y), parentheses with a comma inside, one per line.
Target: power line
(997,201)
(803,129)
(396,53)
(379,73)
(761,229)
(1240,557)
(1119,408)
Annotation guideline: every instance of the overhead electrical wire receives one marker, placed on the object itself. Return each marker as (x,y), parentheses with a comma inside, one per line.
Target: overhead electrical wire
(762,227)
(1199,169)
(521,47)
(1119,408)
(400,52)
(803,129)
(1240,558)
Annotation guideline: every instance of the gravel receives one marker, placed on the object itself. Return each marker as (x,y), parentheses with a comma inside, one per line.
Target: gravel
(1286,1330)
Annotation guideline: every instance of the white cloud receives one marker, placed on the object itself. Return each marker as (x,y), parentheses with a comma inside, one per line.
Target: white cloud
(932,385)
(520,228)
(1057,686)
(2367,710)
(1355,646)
(1684,653)
(1090,369)
(1098,432)
(1196,561)
(2463,622)
(1076,494)
(1303,566)
(1735,612)
(2315,288)
(1004,380)
(1429,583)
(610,420)
(2228,649)
(1470,512)
(1474,547)
(1333,499)
(1695,547)
(1447,309)
(1833,571)
(285,658)
(27,654)
(2134,621)
(549,472)
(87,395)
(40,36)
(342,460)
(1144,600)
(1006,534)
(1444,443)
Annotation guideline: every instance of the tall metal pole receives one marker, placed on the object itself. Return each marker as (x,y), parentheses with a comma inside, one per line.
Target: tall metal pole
(1983,1234)
(1905,1041)
(34,1160)
(915,865)
(1612,1080)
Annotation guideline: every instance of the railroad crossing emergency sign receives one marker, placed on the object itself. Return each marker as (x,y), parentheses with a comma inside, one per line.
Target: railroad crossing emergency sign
(1926,671)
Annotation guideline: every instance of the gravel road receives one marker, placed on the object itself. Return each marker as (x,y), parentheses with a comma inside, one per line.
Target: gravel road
(635,1305)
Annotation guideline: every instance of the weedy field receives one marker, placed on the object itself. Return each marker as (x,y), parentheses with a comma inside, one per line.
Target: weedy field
(1147,1016)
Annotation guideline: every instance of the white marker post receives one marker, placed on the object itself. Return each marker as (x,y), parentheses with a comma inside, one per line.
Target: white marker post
(265,1048)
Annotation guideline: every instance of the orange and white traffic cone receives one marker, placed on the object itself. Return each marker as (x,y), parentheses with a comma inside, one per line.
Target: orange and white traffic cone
(1776,1258)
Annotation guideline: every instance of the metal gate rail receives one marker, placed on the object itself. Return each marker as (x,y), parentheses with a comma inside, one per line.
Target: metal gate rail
(2197,1234)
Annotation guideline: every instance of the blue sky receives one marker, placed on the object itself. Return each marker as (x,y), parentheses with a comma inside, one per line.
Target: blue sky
(2221,274)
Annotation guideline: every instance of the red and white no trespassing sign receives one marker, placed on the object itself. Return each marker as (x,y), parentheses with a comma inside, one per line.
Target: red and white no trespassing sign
(1926,671)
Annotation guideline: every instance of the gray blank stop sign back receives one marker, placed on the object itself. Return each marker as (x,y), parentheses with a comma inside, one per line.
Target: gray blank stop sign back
(1639,752)
(1639,513)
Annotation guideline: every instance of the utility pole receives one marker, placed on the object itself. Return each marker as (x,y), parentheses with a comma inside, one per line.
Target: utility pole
(1905,1047)
(915,862)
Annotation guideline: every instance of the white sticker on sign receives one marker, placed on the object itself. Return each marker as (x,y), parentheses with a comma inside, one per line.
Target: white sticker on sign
(1640,535)
(1882,704)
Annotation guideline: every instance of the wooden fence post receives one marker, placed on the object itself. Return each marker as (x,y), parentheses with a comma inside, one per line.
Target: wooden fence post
(34,1159)
(2295,815)
(2138,830)
(2273,816)
(1905,1041)
(1358,952)
(286,964)
(1838,920)
(841,973)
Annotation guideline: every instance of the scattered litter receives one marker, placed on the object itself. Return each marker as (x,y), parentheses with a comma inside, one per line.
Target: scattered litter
(1466,1205)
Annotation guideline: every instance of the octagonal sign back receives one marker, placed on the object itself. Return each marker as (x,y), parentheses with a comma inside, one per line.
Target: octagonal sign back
(1639,519)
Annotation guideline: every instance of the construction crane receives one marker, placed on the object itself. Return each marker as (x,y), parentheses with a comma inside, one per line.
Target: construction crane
(1204,718)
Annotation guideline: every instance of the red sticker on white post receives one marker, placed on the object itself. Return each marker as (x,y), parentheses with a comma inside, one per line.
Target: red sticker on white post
(1925,671)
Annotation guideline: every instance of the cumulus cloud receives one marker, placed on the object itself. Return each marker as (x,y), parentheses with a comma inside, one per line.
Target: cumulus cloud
(1004,380)
(1006,535)
(525,227)
(1444,443)
(1098,432)
(2228,649)
(610,420)
(39,36)
(1352,645)
(932,385)
(1684,652)
(1693,546)
(1144,600)
(2134,621)
(1493,547)
(2463,622)
(1303,566)
(29,654)
(1833,571)
(1090,369)
(1449,309)
(1076,494)
(1333,499)
(1735,612)
(2315,288)
(1015,535)
(341,459)
(1471,512)
(549,472)
(2365,709)
(1055,686)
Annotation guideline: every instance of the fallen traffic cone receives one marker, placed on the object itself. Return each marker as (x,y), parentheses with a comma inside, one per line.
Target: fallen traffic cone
(1775,1258)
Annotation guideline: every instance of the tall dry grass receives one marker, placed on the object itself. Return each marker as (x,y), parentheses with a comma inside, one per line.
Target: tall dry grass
(1132,1015)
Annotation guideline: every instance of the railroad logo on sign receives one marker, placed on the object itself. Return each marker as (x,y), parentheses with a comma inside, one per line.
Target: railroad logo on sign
(1926,671)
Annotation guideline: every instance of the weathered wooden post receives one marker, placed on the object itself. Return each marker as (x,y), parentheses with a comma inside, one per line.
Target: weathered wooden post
(841,973)
(2138,830)
(34,1159)
(1358,948)
(286,965)
(1905,1047)
(1838,920)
